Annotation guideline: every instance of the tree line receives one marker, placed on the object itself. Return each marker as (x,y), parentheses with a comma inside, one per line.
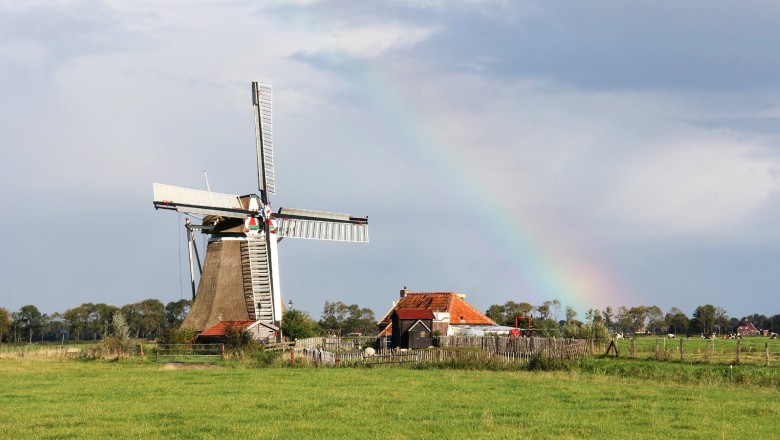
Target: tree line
(89,321)
(550,318)
(150,319)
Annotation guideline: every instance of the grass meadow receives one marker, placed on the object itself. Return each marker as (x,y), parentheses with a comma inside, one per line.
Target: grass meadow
(608,399)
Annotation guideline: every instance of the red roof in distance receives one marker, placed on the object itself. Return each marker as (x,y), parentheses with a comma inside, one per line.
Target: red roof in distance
(414,314)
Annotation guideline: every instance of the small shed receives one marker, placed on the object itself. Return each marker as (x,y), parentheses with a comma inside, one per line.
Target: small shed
(412,328)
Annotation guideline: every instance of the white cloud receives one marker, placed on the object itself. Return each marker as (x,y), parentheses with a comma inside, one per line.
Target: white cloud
(695,186)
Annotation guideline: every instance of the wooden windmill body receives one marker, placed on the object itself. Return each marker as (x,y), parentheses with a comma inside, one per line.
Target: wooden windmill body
(240,275)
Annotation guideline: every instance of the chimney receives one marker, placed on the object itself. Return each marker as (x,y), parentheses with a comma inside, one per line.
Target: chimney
(404,292)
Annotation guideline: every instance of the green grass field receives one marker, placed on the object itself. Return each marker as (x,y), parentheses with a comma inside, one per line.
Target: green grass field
(99,399)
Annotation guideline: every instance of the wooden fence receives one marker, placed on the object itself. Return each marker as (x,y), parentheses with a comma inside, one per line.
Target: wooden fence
(514,352)
(189,352)
(519,345)
(338,343)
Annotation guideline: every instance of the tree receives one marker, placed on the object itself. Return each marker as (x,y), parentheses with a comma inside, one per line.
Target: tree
(655,318)
(505,314)
(101,319)
(297,324)
(57,327)
(593,315)
(704,317)
(722,318)
(145,318)
(556,307)
(5,323)
(637,316)
(497,313)
(576,330)
(608,314)
(121,332)
(339,318)
(544,310)
(774,323)
(75,320)
(176,311)
(570,313)
(27,320)
(623,319)
(360,320)
(677,321)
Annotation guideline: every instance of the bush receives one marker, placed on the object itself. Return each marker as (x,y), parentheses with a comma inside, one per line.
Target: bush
(120,341)
(178,336)
(263,358)
(541,361)
(576,330)
(240,342)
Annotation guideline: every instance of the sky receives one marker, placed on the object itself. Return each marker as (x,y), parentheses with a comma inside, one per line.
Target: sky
(598,153)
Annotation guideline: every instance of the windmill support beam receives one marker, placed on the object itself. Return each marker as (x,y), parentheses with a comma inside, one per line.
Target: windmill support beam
(190,244)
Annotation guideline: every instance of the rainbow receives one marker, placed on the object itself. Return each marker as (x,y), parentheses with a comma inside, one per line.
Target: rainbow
(532,248)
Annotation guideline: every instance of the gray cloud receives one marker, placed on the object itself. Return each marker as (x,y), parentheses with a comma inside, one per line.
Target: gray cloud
(487,142)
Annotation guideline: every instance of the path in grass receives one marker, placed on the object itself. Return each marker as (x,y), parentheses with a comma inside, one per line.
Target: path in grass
(74,399)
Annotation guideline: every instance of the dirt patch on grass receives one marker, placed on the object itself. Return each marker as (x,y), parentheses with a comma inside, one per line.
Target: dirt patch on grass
(168,366)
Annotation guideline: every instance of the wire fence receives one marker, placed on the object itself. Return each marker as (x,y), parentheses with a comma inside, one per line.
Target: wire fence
(755,350)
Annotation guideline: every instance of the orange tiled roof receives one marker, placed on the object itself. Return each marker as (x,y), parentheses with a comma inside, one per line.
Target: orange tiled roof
(460,311)
(220,328)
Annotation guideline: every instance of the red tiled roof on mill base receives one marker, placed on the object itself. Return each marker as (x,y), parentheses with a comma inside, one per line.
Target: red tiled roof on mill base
(220,328)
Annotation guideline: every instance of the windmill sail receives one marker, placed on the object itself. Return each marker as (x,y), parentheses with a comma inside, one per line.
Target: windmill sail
(262,98)
(321,225)
(198,202)
(240,278)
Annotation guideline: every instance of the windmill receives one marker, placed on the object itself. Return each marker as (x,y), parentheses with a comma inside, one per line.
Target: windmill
(240,274)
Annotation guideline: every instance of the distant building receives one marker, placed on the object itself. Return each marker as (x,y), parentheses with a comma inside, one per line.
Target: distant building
(450,312)
(746,328)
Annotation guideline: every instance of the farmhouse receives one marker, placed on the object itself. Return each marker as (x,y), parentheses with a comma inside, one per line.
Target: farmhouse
(448,312)
(746,328)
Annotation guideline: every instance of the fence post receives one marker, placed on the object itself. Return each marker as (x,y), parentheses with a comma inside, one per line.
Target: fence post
(222,351)
(766,354)
(633,347)
(657,349)
(739,341)
(681,349)
(709,350)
